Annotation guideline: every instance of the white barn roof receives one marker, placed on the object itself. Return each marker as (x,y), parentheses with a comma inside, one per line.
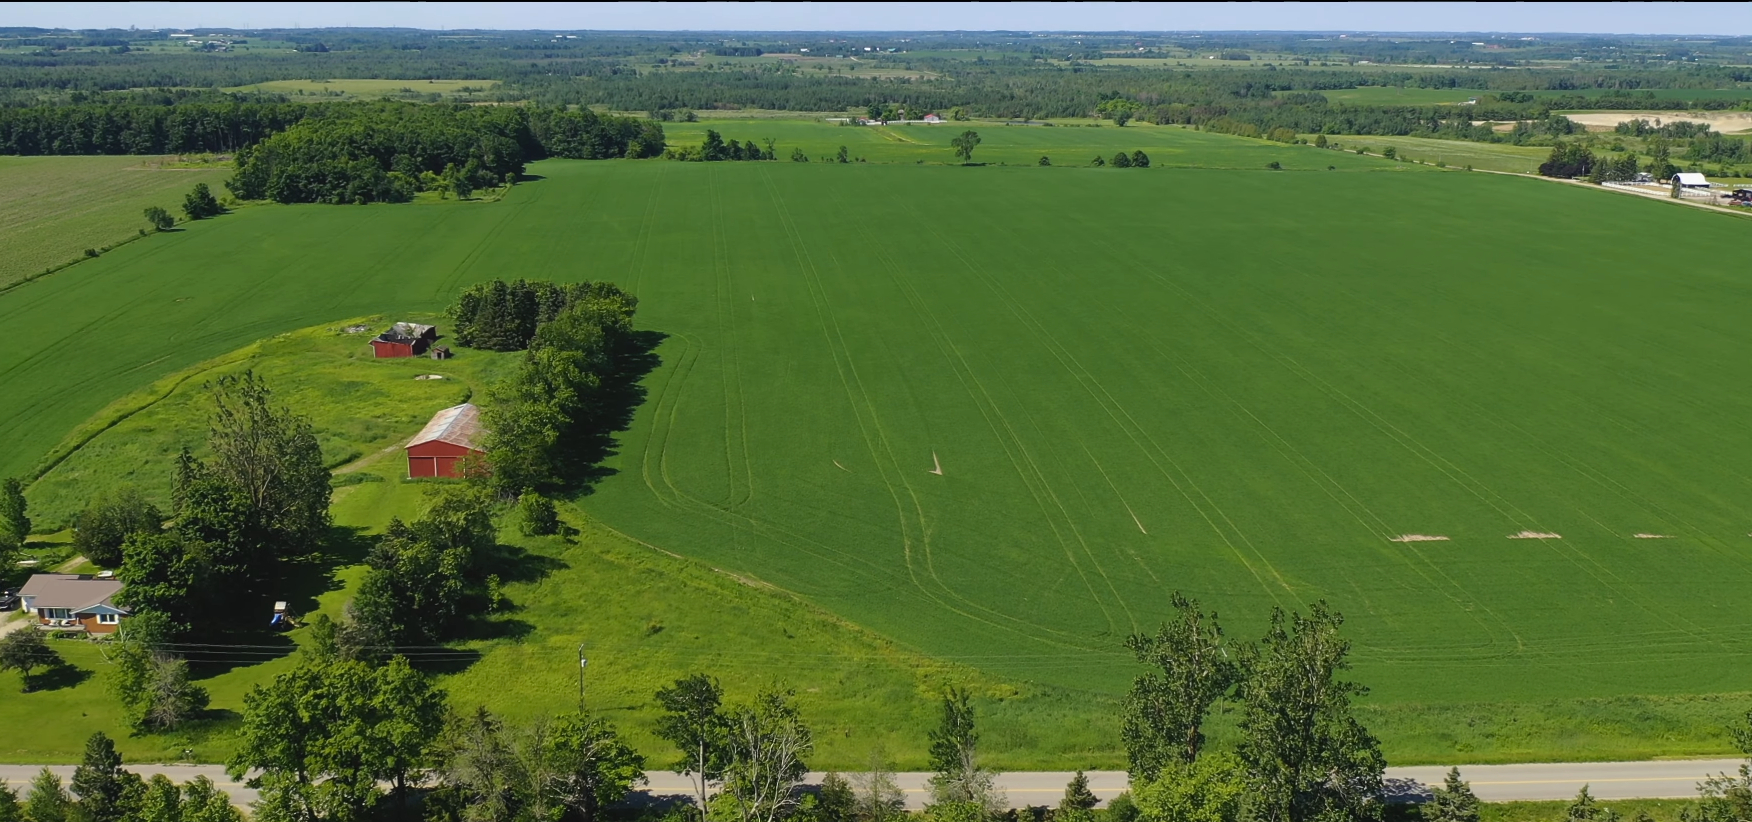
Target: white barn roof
(457,425)
(1691,178)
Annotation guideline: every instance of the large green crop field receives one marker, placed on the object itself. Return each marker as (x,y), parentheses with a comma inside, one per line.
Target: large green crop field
(996,414)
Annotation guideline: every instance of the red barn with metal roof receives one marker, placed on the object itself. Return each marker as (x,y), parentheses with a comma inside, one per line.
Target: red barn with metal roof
(403,340)
(452,436)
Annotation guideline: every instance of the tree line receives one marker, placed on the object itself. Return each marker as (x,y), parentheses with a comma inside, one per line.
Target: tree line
(386,152)
(547,418)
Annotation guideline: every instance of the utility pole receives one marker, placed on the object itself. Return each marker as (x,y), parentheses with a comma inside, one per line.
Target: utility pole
(581,663)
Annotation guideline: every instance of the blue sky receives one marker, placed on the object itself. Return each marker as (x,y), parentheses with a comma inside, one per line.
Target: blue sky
(1620,18)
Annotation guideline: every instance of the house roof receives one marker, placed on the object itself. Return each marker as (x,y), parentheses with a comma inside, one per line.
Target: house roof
(1691,178)
(458,425)
(72,591)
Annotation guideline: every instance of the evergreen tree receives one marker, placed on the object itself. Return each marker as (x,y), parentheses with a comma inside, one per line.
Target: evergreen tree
(10,809)
(1453,802)
(100,783)
(1078,804)
(14,511)
(47,801)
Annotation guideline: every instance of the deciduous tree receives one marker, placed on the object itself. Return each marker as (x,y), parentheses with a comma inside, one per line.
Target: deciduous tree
(1212,789)
(1306,756)
(964,144)
(1189,669)
(694,723)
(159,219)
(879,796)
(100,530)
(591,767)
(764,757)
(957,777)
(200,203)
(26,651)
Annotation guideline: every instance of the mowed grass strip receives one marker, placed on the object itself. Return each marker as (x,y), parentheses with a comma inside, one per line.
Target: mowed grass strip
(1241,384)
(53,208)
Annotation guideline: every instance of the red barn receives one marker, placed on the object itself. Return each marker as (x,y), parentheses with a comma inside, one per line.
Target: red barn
(453,435)
(404,340)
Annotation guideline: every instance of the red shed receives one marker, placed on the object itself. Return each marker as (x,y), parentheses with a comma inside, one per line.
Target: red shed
(439,449)
(404,340)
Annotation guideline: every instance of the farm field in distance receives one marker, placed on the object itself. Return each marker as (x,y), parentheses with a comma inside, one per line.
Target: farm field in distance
(53,208)
(997,414)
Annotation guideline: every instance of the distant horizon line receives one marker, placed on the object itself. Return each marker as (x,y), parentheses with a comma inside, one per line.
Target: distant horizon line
(1127,32)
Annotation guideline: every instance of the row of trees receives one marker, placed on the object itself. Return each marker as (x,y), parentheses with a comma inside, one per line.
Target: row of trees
(714,149)
(504,316)
(1570,160)
(545,419)
(103,791)
(1136,159)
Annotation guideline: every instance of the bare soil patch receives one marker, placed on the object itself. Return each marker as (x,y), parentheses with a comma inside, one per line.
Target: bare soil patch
(1726,122)
(1535,535)
(1418,538)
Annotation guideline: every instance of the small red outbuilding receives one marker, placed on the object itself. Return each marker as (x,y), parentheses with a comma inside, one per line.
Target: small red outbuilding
(451,437)
(403,340)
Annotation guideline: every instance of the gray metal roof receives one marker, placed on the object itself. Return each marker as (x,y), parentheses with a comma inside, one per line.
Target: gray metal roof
(71,591)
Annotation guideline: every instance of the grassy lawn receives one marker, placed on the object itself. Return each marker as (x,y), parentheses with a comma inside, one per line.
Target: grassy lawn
(1238,383)
(53,208)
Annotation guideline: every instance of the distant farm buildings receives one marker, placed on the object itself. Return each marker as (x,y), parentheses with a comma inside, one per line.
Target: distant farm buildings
(404,340)
(1690,179)
(440,448)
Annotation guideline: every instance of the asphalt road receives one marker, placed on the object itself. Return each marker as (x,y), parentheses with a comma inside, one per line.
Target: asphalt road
(1492,783)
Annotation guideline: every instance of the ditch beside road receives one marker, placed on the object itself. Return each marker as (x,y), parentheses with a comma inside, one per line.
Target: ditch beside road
(1674,779)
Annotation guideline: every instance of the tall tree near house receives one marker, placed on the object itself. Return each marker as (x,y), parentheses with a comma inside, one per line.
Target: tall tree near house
(26,651)
(270,453)
(764,761)
(1190,669)
(100,530)
(964,144)
(14,512)
(693,722)
(10,809)
(1306,756)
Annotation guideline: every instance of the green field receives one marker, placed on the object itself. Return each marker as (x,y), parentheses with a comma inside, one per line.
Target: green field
(53,208)
(1456,153)
(1065,143)
(1238,383)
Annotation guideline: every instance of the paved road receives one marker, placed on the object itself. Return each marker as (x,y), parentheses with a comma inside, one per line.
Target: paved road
(1492,783)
